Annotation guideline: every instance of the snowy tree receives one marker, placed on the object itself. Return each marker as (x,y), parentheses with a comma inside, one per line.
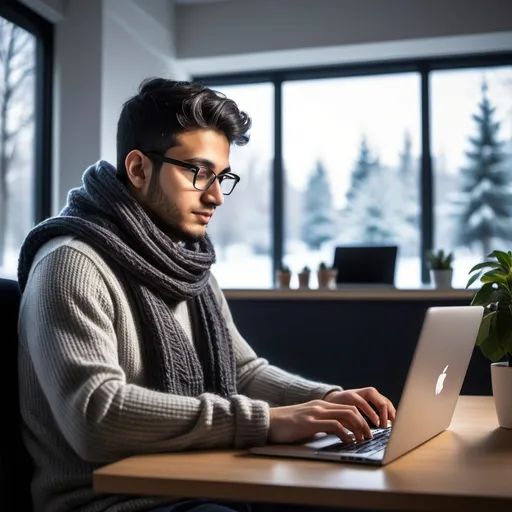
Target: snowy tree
(407,169)
(410,198)
(365,165)
(318,225)
(377,215)
(483,208)
(16,74)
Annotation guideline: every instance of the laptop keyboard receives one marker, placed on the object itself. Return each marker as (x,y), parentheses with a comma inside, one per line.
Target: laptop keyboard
(368,447)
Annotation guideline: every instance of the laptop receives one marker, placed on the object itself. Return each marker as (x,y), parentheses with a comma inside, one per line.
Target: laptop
(365,266)
(428,400)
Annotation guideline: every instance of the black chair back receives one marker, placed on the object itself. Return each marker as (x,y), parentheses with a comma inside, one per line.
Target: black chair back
(15,463)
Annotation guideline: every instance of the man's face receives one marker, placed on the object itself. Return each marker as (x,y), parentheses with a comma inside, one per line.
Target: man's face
(170,197)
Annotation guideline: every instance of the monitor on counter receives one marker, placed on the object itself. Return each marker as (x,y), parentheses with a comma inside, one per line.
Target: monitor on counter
(365,265)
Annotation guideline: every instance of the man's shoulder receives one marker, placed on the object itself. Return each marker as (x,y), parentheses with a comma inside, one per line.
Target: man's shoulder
(55,247)
(68,267)
(75,258)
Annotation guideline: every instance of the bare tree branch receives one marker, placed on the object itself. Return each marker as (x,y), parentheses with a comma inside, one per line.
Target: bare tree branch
(22,38)
(9,135)
(24,74)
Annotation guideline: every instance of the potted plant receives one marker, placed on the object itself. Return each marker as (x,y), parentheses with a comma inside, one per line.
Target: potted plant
(304,277)
(440,264)
(284,276)
(495,333)
(326,276)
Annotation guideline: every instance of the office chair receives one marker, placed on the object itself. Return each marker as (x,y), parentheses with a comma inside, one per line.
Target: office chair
(15,462)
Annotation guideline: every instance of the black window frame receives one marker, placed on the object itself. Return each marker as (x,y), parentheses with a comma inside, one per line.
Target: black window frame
(43,31)
(423,66)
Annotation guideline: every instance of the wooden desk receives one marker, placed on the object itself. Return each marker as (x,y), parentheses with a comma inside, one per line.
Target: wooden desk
(467,467)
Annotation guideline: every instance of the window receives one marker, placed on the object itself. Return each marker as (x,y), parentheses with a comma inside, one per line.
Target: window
(24,155)
(241,228)
(472,163)
(351,159)
(410,153)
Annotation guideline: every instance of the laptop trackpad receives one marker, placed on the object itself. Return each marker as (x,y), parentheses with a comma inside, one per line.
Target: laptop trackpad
(322,441)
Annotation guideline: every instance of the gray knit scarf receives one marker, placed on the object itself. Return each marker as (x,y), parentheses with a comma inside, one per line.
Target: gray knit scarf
(158,272)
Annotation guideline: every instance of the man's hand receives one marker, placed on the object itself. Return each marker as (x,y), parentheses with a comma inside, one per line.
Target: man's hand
(362,398)
(298,422)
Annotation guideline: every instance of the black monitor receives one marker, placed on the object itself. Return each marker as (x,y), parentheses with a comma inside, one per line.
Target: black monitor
(366,265)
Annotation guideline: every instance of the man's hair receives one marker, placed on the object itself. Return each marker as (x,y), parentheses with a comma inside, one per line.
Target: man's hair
(163,109)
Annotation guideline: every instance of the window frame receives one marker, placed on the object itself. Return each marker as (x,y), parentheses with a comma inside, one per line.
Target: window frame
(43,32)
(423,66)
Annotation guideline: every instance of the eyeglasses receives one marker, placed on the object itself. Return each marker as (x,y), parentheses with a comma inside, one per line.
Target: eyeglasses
(204,177)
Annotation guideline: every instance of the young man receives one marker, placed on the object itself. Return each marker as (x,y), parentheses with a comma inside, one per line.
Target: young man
(127,345)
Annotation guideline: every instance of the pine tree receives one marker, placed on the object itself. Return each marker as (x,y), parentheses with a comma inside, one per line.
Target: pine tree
(318,225)
(406,168)
(484,205)
(377,215)
(409,185)
(364,166)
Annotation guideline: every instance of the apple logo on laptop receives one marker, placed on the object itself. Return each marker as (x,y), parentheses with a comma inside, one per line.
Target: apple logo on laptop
(440,381)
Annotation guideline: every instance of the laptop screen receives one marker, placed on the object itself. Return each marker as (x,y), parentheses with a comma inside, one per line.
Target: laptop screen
(365,264)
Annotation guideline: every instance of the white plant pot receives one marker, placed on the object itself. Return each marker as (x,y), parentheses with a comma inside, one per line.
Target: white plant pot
(501,378)
(442,278)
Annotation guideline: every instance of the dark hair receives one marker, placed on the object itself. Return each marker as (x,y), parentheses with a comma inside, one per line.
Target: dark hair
(162,109)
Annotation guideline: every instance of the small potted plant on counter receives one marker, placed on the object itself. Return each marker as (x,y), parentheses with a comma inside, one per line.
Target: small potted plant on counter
(304,275)
(284,275)
(495,334)
(326,276)
(441,270)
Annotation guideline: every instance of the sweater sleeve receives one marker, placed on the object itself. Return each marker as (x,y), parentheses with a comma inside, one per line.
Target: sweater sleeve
(67,325)
(260,380)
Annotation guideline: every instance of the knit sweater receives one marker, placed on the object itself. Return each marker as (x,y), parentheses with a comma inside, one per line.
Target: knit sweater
(83,396)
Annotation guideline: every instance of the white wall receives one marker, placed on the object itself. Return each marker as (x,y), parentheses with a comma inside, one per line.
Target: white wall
(246,26)
(246,35)
(77,95)
(103,50)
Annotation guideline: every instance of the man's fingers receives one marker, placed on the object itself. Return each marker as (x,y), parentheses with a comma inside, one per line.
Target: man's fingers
(350,417)
(383,413)
(391,412)
(333,427)
(386,409)
(367,409)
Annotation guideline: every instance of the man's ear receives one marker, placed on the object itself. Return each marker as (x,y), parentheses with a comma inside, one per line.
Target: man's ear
(138,169)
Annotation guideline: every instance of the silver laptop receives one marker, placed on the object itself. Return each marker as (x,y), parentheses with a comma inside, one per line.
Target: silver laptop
(428,400)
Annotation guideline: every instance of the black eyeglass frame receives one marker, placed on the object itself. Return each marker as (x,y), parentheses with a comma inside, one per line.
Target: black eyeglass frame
(195,169)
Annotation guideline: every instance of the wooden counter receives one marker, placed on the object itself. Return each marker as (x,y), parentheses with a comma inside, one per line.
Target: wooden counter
(426,294)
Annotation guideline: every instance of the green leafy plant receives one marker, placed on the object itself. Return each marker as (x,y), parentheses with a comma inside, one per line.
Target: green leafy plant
(495,294)
(439,260)
(285,270)
(305,270)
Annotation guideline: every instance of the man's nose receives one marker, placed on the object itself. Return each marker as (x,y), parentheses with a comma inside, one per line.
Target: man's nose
(214,194)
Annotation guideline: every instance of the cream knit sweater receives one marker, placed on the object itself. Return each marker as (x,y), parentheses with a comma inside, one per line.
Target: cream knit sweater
(83,397)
